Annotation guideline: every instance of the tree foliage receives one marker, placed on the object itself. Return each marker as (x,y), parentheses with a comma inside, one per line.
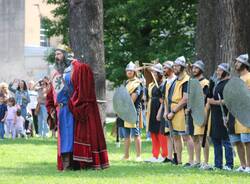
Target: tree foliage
(59,25)
(138,30)
(144,30)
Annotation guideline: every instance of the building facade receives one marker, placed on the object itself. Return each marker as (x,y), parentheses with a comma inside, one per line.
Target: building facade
(23,40)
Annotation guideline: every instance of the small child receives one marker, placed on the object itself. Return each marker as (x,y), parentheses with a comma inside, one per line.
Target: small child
(3,114)
(20,124)
(11,118)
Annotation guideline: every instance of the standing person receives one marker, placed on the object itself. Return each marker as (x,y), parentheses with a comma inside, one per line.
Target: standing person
(219,132)
(41,88)
(11,118)
(197,71)
(21,96)
(154,126)
(170,78)
(3,115)
(33,104)
(240,136)
(57,101)
(81,143)
(134,87)
(4,90)
(177,101)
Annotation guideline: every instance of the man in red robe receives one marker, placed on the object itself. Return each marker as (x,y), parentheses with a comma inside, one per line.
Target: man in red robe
(89,143)
(77,91)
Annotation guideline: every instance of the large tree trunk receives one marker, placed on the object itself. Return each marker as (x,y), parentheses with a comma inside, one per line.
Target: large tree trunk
(222,31)
(205,34)
(86,40)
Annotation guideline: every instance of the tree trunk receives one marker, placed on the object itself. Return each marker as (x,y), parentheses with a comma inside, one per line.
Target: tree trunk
(205,34)
(86,40)
(222,31)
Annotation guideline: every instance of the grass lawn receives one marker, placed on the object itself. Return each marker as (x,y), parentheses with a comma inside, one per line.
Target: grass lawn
(33,161)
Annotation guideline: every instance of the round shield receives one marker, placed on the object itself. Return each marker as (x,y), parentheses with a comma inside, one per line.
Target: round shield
(237,99)
(123,105)
(196,101)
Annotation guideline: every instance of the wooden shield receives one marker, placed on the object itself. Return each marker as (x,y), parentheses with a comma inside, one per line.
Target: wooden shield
(148,76)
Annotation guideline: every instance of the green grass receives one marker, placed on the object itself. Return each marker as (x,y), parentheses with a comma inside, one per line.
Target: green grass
(34,161)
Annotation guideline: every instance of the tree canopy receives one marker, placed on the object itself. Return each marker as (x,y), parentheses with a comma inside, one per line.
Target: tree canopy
(137,30)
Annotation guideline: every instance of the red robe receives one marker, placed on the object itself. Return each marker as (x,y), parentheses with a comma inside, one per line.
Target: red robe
(51,104)
(89,143)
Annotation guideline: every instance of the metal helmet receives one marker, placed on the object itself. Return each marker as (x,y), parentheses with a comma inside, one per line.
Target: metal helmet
(225,67)
(131,66)
(243,58)
(180,61)
(168,64)
(158,68)
(199,64)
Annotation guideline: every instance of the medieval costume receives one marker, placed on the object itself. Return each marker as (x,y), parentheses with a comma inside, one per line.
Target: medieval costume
(129,129)
(219,133)
(175,94)
(57,100)
(81,142)
(155,127)
(239,133)
(89,149)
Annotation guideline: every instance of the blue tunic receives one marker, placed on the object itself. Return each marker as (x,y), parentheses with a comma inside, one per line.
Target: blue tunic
(66,121)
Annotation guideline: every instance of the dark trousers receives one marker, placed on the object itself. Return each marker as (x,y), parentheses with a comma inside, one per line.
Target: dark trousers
(35,120)
(218,153)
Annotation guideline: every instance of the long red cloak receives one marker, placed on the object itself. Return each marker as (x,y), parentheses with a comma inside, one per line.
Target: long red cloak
(89,143)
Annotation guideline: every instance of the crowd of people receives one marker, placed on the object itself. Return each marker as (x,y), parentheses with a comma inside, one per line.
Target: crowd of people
(23,110)
(67,103)
(163,103)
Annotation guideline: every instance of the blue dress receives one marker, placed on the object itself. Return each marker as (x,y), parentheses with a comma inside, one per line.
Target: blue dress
(66,121)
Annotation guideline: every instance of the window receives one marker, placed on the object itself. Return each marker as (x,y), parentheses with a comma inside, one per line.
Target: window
(44,40)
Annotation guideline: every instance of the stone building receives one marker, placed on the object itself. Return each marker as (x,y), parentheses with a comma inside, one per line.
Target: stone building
(22,39)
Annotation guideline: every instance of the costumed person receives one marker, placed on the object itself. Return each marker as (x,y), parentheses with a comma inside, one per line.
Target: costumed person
(154,126)
(240,136)
(134,87)
(177,101)
(170,78)
(81,142)
(57,100)
(219,133)
(197,71)
(90,150)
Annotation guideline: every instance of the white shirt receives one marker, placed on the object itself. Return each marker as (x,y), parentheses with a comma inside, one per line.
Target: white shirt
(33,99)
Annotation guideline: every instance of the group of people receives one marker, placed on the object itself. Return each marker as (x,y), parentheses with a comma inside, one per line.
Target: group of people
(169,120)
(23,109)
(66,102)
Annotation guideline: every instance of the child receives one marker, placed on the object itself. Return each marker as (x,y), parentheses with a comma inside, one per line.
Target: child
(11,118)
(20,124)
(3,114)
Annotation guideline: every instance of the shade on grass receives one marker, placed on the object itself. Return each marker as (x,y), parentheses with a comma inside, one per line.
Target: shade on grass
(34,161)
